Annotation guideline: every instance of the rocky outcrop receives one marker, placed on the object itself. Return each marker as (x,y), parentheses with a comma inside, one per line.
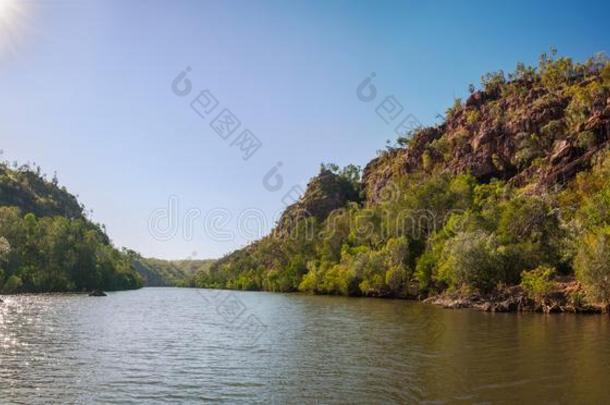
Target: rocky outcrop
(525,136)
(325,193)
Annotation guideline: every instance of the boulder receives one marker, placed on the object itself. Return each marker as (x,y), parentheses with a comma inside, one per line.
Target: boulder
(97,293)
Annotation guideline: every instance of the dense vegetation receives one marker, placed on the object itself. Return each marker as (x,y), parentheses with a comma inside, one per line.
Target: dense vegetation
(168,273)
(27,188)
(513,188)
(47,244)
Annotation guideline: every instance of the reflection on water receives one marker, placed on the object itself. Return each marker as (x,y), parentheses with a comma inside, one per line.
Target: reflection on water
(182,345)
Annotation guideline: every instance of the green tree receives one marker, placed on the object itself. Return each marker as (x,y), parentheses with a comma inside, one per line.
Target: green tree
(13,284)
(472,259)
(538,283)
(592,264)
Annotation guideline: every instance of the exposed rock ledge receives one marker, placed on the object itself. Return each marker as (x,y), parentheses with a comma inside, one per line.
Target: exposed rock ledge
(514,299)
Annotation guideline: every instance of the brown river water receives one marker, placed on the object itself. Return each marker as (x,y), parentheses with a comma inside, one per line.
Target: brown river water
(172,345)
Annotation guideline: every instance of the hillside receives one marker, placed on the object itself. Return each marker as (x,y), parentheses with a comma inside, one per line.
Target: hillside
(509,195)
(535,130)
(47,244)
(168,273)
(25,188)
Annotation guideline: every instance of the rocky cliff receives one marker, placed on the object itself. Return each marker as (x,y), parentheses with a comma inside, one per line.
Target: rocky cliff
(511,189)
(525,131)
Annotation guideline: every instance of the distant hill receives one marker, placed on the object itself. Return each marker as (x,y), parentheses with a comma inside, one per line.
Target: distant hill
(166,273)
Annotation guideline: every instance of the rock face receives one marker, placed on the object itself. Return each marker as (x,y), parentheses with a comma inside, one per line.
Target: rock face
(526,137)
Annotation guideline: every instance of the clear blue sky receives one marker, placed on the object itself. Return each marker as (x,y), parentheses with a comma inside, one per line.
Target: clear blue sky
(86,91)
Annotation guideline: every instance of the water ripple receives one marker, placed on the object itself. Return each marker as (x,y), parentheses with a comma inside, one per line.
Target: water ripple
(166,345)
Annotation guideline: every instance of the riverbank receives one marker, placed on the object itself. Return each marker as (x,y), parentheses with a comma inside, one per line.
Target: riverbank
(567,295)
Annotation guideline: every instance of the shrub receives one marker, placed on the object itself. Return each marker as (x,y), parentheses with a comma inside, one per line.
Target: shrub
(581,104)
(531,219)
(442,146)
(455,108)
(523,72)
(553,130)
(529,148)
(338,280)
(491,82)
(424,270)
(586,139)
(459,139)
(537,283)
(605,74)
(396,252)
(373,274)
(395,279)
(310,281)
(471,258)
(472,116)
(5,248)
(426,161)
(555,72)
(592,264)
(497,162)
(13,285)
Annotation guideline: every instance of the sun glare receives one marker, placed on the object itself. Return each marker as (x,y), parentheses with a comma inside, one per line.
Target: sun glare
(11,13)
(7,8)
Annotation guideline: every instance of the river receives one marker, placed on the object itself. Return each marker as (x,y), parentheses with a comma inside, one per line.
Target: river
(159,345)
